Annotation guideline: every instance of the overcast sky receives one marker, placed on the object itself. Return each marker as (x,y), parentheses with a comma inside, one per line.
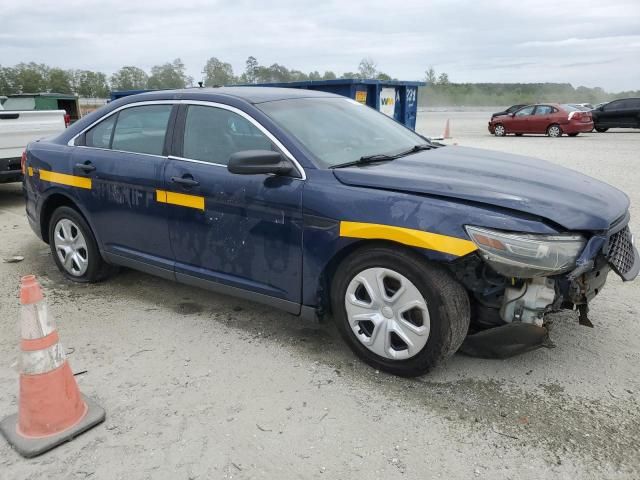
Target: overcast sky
(591,43)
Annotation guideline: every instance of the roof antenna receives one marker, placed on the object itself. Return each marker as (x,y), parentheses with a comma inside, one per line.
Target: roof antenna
(200,84)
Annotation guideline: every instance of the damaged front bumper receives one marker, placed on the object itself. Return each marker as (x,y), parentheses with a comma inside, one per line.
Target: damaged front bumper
(509,313)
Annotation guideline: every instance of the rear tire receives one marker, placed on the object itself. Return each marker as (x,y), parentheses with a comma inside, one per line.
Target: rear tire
(74,247)
(554,130)
(601,129)
(389,290)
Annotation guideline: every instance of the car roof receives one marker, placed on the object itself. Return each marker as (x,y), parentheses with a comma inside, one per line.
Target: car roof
(557,105)
(248,94)
(63,96)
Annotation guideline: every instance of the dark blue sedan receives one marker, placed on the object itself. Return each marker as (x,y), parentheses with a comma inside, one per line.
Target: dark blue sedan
(315,204)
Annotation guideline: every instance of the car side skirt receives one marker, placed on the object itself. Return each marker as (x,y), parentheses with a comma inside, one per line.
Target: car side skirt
(285,305)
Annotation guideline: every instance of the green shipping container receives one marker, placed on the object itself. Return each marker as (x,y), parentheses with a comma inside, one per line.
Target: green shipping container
(45,101)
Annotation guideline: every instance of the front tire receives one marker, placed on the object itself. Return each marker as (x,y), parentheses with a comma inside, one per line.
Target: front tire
(74,247)
(601,129)
(397,312)
(499,130)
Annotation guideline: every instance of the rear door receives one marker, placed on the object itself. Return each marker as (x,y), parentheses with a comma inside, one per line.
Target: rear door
(542,117)
(124,156)
(228,231)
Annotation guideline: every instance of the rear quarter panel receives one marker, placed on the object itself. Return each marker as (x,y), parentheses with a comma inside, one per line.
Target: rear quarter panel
(49,157)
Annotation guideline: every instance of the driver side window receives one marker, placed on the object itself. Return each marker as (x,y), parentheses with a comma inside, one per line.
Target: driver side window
(525,111)
(612,106)
(544,110)
(213,134)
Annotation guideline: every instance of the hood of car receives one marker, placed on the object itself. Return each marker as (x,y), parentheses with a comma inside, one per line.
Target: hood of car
(530,185)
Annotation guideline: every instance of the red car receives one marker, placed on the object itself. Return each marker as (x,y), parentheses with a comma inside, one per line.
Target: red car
(548,118)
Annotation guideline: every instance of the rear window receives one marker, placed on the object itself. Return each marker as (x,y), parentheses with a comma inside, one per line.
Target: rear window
(141,129)
(26,103)
(571,108)
(100,135)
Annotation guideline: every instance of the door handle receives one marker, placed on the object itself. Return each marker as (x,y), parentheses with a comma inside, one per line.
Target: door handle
(185,181)
(86,167)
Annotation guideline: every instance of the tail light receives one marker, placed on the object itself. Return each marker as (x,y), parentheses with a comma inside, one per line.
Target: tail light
(23,162)
(67,120)
(581,116)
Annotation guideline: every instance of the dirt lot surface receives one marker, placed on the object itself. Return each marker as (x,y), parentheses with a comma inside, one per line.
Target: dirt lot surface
(198,385)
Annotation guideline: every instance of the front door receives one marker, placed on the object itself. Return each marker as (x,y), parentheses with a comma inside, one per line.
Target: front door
(124,156)
(232,232)
(520,122)
(612,114)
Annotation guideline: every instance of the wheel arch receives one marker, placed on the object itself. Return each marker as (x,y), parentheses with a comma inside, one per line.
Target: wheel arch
(501,124)
(50,204)
(323,288)
(552,124)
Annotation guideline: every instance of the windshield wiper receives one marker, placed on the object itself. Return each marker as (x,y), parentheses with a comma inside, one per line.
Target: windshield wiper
(417,148)
(383,157)
(378,157)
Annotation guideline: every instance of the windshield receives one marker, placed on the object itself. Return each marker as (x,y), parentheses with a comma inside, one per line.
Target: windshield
(340,130)
(20,103)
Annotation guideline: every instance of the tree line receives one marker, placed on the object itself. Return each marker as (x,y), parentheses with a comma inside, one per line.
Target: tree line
(439,91)
(37,77)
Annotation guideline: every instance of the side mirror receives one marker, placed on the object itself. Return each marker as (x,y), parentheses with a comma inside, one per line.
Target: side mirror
(252,162)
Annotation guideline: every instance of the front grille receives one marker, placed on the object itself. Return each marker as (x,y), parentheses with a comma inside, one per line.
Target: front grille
(620,254)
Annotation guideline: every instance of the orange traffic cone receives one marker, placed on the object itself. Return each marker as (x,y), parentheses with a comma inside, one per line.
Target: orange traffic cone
(447,132)
(51,409)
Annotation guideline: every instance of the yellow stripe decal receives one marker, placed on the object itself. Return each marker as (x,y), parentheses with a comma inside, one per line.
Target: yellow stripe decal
(191,201)
(415,238)
(64,179)
(161,196)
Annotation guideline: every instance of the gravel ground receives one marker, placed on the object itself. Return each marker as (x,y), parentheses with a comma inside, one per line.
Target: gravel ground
(198,385)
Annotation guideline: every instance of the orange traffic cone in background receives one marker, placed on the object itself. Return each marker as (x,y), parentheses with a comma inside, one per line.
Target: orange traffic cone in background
(51,409)
(447,132)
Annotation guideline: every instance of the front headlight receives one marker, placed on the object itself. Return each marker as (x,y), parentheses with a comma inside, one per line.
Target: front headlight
(525,255)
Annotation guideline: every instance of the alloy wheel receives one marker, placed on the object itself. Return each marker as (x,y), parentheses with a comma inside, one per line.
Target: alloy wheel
(71,247)
(554,131)
(499,130)
(387,313)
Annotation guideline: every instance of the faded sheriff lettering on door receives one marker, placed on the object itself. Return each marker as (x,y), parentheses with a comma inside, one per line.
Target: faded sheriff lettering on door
(122,194)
